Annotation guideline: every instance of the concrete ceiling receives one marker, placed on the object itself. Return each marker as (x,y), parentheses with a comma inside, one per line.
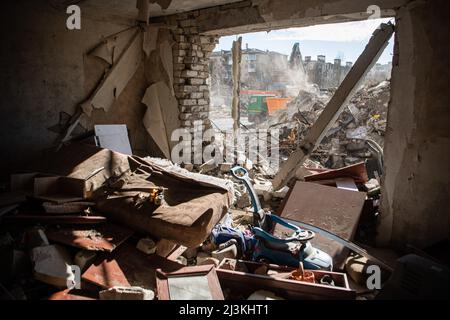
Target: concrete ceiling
(126,9)
(177,6)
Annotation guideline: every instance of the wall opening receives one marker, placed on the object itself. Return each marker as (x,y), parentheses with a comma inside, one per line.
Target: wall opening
(287,78)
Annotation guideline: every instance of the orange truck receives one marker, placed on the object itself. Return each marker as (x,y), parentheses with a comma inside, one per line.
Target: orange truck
(261,104)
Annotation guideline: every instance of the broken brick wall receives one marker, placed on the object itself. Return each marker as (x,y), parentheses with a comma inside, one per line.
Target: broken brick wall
(191,68)
(416,188)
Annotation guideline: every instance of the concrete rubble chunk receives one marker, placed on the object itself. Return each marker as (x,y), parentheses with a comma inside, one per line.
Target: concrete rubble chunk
(263,188)
(52,265)
(147,246)
(126,293)
(281,193)
(229,252)
(182,260)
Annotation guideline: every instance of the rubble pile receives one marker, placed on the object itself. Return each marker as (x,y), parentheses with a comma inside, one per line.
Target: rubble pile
(360,125)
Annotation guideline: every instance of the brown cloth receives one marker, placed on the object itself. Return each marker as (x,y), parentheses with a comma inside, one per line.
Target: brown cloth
(193,204)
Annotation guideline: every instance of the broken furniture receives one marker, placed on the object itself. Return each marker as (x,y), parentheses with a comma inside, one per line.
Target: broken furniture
(291,250)
(189,283)
(186,216)
(247,277)
(191,207)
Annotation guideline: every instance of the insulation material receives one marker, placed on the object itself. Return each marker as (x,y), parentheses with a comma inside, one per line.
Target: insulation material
(161,117)
(165,51)
(118,77)
(111,48)
(150,38)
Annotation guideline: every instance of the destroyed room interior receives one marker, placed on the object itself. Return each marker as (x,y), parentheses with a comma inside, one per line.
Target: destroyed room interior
(152,151)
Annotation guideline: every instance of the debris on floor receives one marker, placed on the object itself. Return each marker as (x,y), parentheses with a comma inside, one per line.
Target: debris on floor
(131,228)
(126,293)
(359,129)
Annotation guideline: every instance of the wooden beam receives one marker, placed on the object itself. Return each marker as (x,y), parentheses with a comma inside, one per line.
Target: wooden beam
(237,54)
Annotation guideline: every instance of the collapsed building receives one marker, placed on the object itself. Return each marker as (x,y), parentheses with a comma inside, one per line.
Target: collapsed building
(75,193)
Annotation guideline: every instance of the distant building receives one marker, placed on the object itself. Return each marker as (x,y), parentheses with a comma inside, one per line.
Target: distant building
(326,74)
(273,71)
(260,70)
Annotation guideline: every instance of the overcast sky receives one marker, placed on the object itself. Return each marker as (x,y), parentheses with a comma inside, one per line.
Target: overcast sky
(341,40)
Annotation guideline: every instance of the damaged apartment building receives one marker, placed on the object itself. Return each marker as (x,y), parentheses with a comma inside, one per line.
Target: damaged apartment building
(103,103)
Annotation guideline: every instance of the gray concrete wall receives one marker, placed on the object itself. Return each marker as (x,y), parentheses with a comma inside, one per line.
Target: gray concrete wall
(416,188)
(43,73)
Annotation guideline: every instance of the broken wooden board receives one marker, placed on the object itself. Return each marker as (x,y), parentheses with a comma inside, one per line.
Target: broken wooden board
(357,172)
(105,237)
(53,219)
(126,267)
(329,208)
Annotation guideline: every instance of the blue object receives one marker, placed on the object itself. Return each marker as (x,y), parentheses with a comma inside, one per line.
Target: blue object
(222,233)
(289,251)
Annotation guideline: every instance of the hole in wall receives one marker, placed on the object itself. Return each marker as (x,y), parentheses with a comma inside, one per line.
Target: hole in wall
(287,78)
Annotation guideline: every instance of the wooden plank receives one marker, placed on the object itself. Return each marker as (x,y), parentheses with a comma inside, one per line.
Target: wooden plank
(32,219)
(357,172)
(343,94)
(236,56)
(329,208)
